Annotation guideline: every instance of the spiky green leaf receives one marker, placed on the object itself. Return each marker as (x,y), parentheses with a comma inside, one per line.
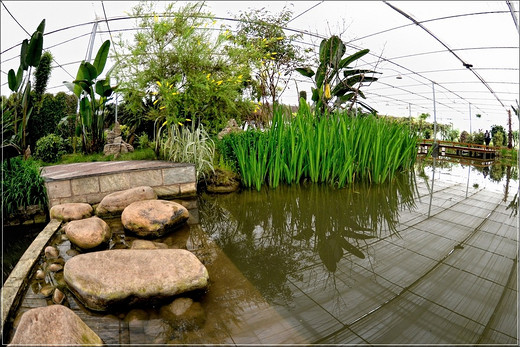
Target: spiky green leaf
(41,27)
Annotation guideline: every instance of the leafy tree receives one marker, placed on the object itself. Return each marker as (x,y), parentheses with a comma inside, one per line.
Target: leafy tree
(269,50)
(178,71)
(53,109)
(501,140)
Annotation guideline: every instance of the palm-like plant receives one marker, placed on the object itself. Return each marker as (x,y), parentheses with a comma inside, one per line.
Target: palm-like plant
(336,82)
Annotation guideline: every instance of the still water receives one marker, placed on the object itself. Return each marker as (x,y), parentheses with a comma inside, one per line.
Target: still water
(314,264)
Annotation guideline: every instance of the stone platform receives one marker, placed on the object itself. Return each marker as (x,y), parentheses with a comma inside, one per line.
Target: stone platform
(90,182)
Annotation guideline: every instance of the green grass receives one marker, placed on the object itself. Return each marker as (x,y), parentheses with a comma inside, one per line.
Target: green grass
(335,149)
(22,185)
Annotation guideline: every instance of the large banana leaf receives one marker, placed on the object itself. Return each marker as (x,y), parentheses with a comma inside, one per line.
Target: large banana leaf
(101,57)
(34,50)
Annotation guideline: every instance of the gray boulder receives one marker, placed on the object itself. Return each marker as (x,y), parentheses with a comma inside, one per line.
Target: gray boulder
(71,211)
(115,203)
(88,233)
(128,276)
(53,325)
(153,218)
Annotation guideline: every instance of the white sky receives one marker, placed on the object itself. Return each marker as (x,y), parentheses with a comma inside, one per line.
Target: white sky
(490,42)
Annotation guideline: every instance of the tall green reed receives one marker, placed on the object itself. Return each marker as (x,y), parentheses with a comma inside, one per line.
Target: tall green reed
(334,148)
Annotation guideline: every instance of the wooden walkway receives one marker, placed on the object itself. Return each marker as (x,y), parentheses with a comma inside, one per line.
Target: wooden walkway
(459,149)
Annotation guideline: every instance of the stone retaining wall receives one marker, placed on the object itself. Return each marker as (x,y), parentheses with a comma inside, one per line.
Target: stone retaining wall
(168,181)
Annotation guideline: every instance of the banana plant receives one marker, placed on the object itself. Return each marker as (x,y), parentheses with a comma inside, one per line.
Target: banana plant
(335,82)
(30,55)
(92,110)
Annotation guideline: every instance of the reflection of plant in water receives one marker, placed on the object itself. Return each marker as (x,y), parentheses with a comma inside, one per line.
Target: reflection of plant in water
(275,233)
(513,205)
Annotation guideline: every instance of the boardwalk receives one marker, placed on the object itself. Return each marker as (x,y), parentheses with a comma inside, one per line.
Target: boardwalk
(450,277)
(459,149)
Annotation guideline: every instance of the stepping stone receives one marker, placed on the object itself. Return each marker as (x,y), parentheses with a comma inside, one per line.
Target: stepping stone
(71,211)
(153,218)
(53,326)
(120,277)
(115,203)
(88,233)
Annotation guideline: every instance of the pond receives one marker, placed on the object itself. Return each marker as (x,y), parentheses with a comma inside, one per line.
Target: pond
(313,264)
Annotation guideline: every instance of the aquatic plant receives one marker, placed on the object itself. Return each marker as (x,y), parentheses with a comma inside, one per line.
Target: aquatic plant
(337,149)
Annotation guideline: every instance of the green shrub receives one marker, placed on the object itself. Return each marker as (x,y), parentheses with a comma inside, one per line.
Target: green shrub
(188,145)
(143,141)
(50,148)
(22,185)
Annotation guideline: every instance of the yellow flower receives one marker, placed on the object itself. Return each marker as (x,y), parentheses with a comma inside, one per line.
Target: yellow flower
(188,120)
(219,83)
(159,84)
(175,93)
(180,123)
(207,76)
(156,101)
(165,122)
(162,107)
(154,93)
(155,18)
(279,38)
(239,77)
(327,91)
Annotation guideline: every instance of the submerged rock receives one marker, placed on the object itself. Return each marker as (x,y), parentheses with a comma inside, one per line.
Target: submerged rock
(123,277)
(53,325)
(145,244)
(185,314)
(71,211)
(115,203)
(88,233)
(153,218)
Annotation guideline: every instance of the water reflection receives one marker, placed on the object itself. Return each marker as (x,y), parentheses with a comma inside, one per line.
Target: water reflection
(272,234)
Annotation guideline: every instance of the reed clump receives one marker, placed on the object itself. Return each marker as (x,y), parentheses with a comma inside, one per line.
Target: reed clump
(333,148)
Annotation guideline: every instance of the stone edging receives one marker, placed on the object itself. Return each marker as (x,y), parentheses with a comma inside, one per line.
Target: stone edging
(19,277)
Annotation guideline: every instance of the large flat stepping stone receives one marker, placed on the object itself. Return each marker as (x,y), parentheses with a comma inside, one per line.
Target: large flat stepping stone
(153,218)
(53,326)
(88,233)
(105,279)
(71,211)
(115,203)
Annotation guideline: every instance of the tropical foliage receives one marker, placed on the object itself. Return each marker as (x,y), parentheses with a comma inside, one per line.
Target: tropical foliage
(336,82)
(91,109)
(20,84)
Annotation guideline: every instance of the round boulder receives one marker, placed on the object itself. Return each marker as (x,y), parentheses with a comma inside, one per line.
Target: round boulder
(53,325)
(115,203)
(88,233)
(153,218)
(71,211)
